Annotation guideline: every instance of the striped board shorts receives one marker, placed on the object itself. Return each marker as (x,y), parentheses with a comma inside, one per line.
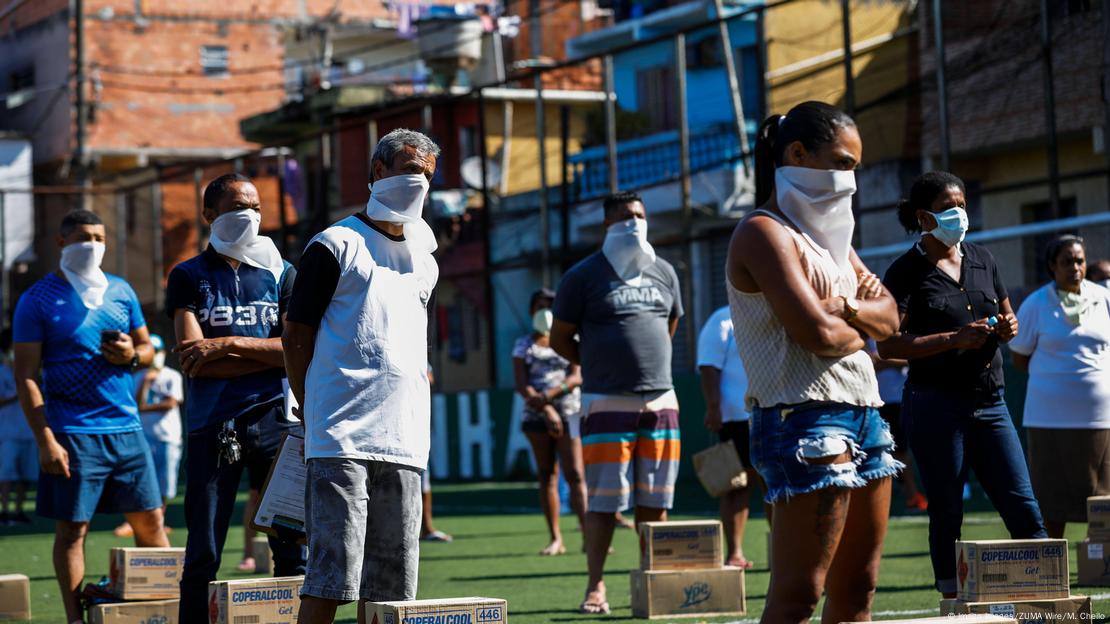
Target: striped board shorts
(630,443)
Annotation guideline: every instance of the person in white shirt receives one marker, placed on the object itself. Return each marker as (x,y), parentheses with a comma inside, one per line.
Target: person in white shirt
(724,384)
(1064,345)
(356,352)
(159,391)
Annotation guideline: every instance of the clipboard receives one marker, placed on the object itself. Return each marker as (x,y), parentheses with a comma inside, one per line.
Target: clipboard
(280,510)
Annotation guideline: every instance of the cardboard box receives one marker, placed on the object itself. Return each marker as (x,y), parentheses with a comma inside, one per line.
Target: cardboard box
(149,612)
(675,593)
(263,558)
(145,573)
(15,597)
(954,619)
(259,601)
(472,610)
(994,570)
(1098,518)
(1094,562)
(689,545)
(1075,608)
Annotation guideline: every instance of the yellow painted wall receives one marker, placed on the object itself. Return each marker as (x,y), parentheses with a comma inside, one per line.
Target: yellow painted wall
(523,173)
(810,28)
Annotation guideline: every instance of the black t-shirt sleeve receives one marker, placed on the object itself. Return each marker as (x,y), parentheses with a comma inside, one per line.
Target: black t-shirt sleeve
(676,292)
(180,292)
(896,282)
(312,295)
(568,306)
(288,279)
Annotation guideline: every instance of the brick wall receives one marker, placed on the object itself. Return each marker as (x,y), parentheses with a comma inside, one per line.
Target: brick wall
(995,80)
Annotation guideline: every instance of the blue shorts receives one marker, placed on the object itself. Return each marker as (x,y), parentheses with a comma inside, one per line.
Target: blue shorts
(167,462)
(19,461)
(785,436)
(109,473)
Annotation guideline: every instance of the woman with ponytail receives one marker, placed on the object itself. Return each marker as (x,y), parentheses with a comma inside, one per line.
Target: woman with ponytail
(803,305)
(954,315)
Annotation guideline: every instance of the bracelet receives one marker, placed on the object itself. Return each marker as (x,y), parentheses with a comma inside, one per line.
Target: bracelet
(565,388)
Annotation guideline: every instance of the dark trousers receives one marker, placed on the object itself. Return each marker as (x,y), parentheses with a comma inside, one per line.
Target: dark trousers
(950,432)
(210,500)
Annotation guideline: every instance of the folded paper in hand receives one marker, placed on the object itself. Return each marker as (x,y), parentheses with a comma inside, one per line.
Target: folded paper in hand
(719,469)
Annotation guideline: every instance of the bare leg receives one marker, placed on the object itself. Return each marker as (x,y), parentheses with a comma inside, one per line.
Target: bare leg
(427,523)
(149,530)
(1055,529)
(543,449)
(319,611)
(650,514)
(362,611)
(854,573)
(247,563)
(734,517)
(20,497)
(570,456)
(69,564)
(5,489)
(599,535)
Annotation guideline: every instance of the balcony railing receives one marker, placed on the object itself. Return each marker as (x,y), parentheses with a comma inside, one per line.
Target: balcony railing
(653,159)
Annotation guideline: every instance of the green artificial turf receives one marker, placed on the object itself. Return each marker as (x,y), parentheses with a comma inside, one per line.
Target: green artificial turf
(495,554)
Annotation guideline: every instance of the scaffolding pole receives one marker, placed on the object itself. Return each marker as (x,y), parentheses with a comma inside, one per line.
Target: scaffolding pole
(942,87)
(733,85)
(1050,111)
(687,207)
(610,124)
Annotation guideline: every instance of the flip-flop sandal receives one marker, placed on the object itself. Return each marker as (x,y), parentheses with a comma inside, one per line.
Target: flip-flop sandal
(744,564)
(437,536)
(552,552)
(594,608)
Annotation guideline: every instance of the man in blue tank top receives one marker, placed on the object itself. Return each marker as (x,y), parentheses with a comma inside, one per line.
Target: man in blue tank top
(227,305)
(82,331)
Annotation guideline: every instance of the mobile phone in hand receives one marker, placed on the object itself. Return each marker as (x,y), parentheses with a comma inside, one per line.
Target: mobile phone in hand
(109,335)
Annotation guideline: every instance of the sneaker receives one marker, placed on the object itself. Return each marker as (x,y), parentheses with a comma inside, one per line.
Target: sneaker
(917,502)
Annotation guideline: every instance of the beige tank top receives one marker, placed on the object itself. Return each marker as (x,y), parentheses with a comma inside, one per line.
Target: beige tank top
(780,372)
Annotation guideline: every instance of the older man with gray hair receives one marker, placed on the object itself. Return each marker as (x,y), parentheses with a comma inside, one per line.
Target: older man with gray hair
(356,355)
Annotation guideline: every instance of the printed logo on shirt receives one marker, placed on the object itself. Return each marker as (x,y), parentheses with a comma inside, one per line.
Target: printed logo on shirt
(254,313)
(644,296)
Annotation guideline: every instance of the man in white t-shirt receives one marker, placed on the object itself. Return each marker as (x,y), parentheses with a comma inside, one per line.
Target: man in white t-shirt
(159,391)
(356,350)
(724,384)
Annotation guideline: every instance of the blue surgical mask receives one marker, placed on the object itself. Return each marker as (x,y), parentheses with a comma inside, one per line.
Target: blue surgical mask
(951,226)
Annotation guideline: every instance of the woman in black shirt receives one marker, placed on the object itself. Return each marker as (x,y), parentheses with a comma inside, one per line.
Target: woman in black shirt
(955,313)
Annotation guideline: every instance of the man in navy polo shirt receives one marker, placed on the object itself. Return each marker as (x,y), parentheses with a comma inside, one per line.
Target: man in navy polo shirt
(227,305)
(84,331)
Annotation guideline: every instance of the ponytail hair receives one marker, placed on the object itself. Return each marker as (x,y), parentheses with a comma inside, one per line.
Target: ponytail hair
(925,190)
(813,123)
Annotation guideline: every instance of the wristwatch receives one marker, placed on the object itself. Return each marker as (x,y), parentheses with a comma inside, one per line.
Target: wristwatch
(134,362)
(851,307)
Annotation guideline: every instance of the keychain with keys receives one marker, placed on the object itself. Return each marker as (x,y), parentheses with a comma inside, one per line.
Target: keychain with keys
(229,449)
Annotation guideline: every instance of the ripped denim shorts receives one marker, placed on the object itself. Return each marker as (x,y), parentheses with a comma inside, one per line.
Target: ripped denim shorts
(786,439)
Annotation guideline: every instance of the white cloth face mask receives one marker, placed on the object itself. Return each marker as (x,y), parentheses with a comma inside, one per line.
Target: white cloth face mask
(159,360)
(400,199)
(819,203)
(542,320)
(81,266)
(627,249)
(235,235)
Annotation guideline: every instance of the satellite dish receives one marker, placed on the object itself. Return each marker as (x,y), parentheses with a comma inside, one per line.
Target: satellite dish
(471,172)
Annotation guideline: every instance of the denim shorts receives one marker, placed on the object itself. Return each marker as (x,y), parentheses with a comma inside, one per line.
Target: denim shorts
(785,436)
(109,473)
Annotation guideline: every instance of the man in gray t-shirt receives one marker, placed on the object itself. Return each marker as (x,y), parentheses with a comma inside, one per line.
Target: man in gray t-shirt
(624,304)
